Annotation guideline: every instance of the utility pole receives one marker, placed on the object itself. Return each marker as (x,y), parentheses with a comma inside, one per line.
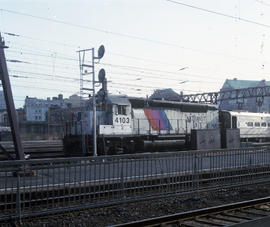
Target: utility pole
(94,105)
(10,103)
(84,90)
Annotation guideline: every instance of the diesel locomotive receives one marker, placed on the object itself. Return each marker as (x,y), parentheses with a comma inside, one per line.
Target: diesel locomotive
(130,125)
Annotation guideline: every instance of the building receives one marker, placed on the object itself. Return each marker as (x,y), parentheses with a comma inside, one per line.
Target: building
(74,101)
(249,104)
(43,119)
(36,109)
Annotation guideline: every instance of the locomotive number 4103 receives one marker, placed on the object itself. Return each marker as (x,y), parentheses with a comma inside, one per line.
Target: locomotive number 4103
(122,120)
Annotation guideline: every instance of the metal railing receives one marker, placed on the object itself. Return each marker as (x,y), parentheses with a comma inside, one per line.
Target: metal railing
(144,126)
(34,187)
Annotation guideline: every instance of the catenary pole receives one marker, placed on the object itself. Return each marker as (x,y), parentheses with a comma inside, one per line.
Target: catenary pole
(94,106)
(10,103)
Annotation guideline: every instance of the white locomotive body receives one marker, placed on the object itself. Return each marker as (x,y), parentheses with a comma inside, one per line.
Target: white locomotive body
(127,123)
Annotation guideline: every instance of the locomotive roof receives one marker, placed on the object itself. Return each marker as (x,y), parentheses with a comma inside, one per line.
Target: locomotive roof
(144,103)
(243,113)
(118,99)
(183,106)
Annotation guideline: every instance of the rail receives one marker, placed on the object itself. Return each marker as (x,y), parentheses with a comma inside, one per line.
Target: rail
(48,186)
(224,215)
(36,149)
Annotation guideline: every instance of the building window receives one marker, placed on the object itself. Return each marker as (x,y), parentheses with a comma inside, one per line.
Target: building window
(257,124)
(263,124)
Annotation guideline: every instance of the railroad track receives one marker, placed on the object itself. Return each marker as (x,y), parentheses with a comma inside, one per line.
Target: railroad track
(256,211)
(36,149)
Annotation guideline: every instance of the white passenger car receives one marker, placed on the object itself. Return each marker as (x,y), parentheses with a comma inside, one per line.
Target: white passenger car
(253,126)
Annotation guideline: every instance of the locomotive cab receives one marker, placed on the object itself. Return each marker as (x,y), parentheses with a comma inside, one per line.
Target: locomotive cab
(119,117)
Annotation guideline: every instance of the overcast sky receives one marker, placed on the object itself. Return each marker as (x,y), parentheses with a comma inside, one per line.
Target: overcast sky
(147,42)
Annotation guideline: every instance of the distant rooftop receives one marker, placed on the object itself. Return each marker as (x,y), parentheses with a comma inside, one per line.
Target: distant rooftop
(165,94)
(239,84)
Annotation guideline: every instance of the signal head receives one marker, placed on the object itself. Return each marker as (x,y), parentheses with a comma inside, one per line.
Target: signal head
(101,75)
(101,51)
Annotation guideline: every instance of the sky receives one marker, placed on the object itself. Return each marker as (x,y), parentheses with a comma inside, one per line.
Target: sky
(149,44)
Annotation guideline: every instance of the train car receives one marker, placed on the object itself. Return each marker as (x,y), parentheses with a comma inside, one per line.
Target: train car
(127,125)
(254,127)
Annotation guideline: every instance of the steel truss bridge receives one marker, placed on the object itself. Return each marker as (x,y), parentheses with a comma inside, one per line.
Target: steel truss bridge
(236,94)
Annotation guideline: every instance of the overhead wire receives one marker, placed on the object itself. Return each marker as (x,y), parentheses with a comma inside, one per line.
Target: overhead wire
(87,27)
(158,76)
(219,13)
(42,55)
(128,35)
(129,67)
(115,66)
(42,88)
(40,40)
(209,52)
(150,70)
(74,59)
(114,83)
(48,75)
(263,2)
(144,76)
(162,76)
(135,68)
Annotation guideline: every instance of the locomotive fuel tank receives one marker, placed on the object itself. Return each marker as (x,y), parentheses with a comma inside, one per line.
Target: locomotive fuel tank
(163,145)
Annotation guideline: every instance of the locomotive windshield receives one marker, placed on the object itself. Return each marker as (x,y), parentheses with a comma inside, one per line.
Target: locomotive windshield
(121,110)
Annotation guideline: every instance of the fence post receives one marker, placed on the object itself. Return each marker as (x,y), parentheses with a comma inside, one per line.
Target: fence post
(122,186)
(168,125)
(195,171)
(18,197)
(149,127)
(138,126)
